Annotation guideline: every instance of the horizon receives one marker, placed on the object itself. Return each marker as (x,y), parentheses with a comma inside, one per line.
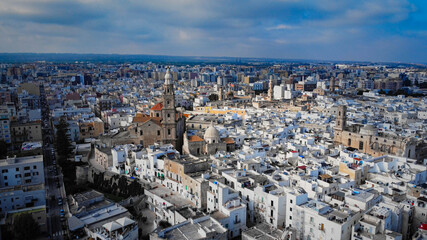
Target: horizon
(216,59)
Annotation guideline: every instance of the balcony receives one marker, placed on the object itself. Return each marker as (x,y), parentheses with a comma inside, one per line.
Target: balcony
(357,236)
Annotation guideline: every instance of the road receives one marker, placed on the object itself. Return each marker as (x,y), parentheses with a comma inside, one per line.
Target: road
(57,227)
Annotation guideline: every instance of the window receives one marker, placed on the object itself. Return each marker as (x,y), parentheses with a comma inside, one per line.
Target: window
(271,213)
(34,167)
(290,209)
(169,132)
(349,141)
(17,169)
(6,184)
(140,132)
(360,145)
(158,132)
(290,217)
(5,177)
(169,115)
(4,171)
(26,168)
(290,200)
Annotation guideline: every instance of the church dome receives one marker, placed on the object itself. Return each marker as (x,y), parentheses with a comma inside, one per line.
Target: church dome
(168,77)
(212,134)
(369,129)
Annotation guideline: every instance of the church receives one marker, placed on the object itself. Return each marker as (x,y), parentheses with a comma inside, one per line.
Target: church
(164,125)
(366,139)
(211,143)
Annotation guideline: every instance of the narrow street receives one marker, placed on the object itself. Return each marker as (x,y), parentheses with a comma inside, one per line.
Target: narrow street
(55,191)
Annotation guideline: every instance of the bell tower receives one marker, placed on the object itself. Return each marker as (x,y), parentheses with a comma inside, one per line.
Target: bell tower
(169,111)
(341,118)
(270,89)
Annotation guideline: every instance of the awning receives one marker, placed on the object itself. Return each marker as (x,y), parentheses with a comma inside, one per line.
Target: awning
(125,221)
(112,226)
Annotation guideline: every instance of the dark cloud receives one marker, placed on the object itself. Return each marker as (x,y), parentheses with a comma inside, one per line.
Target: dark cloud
(389,30)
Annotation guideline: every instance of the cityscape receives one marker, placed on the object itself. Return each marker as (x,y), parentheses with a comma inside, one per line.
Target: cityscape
(278,120)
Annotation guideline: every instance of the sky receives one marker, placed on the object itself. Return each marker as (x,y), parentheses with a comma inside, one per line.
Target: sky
(352,30)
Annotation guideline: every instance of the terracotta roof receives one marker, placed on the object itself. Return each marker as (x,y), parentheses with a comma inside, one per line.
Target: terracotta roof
(142,118)
(325,176)
(157,107)
(228,140)
(195,139)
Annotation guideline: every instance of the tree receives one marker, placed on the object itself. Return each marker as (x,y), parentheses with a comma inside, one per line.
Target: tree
(25,227)
(63,142)
(416,83)
(407,83)
(3,149)
(213,97)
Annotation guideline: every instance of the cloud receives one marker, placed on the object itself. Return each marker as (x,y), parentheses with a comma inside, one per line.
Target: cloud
(281,27)
(317,29)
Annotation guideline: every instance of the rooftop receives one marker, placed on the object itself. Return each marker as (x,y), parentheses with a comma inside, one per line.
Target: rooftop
(21,160)
(199,228)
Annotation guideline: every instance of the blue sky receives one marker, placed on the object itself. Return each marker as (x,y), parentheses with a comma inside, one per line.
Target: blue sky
(371,30)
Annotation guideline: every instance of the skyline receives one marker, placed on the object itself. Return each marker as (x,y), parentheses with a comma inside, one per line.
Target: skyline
(381,31)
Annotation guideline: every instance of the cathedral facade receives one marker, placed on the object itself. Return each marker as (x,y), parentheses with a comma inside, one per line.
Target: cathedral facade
(164,125)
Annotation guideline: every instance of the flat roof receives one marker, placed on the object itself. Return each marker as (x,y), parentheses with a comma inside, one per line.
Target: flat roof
(170,196)
(91,194)
(21,160)
(104,214)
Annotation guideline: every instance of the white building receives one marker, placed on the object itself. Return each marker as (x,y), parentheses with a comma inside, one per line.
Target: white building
(21,183)
(226,207)
(119,120)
